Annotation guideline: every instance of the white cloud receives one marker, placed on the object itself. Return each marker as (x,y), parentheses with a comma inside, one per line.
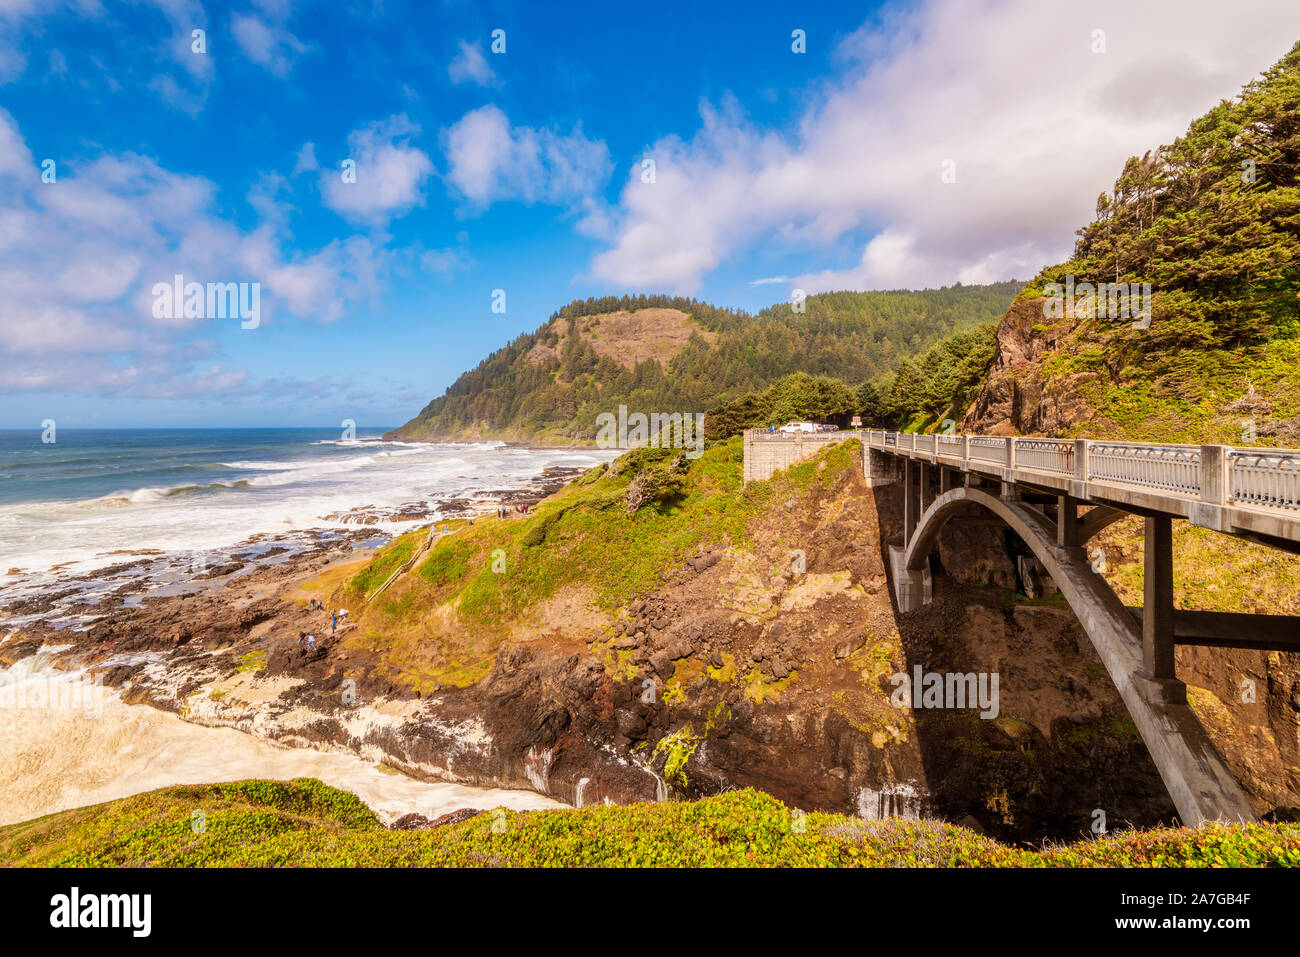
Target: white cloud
(81,317)
(444,262)
(469,65)
(171,93)
(1036,123)
(390,173)
(489,161)
(264,197)
(186,16)
(267,44)
(12,62)
(306,161)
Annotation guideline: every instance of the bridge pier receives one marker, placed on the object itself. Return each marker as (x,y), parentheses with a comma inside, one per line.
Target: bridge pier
(878,468)
(911,500)
(1138,657)
(1158,612)
(1035,487)
(912,589)
(1067,521)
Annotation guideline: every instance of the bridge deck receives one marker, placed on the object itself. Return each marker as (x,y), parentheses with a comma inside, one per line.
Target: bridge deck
(1235,490)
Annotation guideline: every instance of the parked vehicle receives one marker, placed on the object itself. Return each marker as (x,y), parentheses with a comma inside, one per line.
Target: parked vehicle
(792,427)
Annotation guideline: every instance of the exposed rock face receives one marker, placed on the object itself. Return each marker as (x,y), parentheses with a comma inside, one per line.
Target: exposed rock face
(1018,397)
(1079,376)
(418,822)
(976,555)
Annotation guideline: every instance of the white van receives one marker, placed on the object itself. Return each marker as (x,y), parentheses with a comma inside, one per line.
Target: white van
(792,427)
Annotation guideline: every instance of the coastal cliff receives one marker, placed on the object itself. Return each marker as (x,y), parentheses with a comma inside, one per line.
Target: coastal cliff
(658,629)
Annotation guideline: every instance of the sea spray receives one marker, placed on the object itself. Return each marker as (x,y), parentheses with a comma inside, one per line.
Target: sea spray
(69,759)
(892,800)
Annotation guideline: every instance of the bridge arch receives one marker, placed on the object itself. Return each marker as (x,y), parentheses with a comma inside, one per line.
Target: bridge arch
(1098,517)
(1191,767)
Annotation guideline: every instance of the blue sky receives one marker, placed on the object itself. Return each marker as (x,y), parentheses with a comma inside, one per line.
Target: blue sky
(523,171)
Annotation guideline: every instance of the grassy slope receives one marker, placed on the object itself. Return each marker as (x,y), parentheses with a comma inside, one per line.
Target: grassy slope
(306,823)
(570,564)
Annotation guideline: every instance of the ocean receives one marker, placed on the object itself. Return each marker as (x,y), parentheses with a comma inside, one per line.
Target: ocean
(92,496)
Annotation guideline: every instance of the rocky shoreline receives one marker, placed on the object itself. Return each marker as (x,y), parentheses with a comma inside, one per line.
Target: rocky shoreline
(218,645)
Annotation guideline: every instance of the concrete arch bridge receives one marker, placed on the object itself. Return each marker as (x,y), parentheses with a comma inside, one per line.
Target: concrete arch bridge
(1035,487)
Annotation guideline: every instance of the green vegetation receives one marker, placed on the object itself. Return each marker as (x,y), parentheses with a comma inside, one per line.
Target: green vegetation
(677,749)
(253,661)
(571,563)
(304,823)
(797,396)
(940,385)
(551,384)
(1212,223)
(393,556)
(918,396)
(614,531)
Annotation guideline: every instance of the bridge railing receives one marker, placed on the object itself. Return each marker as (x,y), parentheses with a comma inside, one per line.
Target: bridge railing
(1267,478)
(988,448)
(950,444)
(763,435)
(1262,478)
(1045,454)
(1174,468)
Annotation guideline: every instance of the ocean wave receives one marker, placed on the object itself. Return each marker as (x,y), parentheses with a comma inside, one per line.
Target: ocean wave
(368,440)
(143,495)
(261,466)
(256,490)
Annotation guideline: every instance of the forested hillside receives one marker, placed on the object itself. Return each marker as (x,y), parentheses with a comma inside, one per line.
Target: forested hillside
(1212,223)
(551,384)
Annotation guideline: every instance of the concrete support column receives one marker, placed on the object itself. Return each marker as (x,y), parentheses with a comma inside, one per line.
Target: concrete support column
(1158,599)
(878,468)
(924,499)
(945,479)
(1067,521)
(911,512)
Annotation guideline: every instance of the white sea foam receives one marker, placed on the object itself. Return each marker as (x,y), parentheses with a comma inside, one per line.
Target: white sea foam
(274,495)
(58,754)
